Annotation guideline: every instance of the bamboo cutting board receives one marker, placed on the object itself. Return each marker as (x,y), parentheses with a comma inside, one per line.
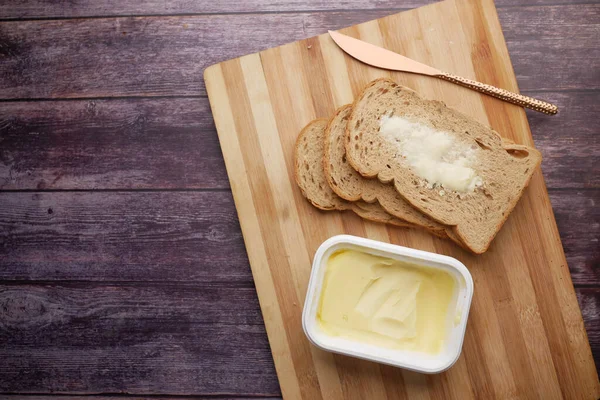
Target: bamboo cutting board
(525,336)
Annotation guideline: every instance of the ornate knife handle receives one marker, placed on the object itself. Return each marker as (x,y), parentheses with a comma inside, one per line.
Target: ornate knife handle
(518,99)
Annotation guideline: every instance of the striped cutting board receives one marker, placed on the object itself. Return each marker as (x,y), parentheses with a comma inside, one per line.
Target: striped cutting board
(525,336)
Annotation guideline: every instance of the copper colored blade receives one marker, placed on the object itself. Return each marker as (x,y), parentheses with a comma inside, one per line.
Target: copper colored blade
(380,57)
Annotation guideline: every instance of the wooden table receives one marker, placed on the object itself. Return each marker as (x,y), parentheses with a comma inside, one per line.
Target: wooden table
(122,265)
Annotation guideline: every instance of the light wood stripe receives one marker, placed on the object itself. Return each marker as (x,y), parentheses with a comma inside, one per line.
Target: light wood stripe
(285,98)
(265,202)
(337,72)
(352,371)
(290,97)
(559,309)
(525,337)
(280,177)
(273,153)
(224,120)
(531,325)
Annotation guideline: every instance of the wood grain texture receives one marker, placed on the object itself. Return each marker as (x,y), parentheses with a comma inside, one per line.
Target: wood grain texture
(57,247)
(110,144)
(139,236)
(568,143)
(183,339)
(524,39)
(172,144)
(579,211)
(180,237)
(147,56)
(24,9)
(133,396)
(176,339)
(525,336)
(589,301)
(83,241)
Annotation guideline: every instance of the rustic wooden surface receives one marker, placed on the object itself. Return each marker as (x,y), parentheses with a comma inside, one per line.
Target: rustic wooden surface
(525,337)
(122,267)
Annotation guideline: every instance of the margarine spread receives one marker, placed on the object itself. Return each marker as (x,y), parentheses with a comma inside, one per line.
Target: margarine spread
(385,302)
(434,155)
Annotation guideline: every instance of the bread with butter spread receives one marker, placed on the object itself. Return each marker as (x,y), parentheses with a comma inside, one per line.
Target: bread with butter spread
(310,177)
(351,186)
(445,164)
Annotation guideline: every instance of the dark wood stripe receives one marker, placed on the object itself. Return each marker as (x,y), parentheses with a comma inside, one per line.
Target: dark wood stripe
(97,144)
(439,387)
(166,229)
(172,144)
(315,70)
(38,9)
(108,396)
(393,382)
(132,236)
(173,58)
(454,383)
(137,339)
(479,372)
(272,235)
(149,312)
(360,379)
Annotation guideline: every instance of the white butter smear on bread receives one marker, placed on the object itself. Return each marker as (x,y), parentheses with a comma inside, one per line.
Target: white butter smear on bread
(434,155)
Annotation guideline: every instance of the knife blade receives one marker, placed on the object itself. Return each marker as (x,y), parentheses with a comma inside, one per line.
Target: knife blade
(379,57)
(383,58)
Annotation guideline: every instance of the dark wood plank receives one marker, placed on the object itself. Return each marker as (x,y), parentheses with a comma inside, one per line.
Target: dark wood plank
(175,339)
(187,237)
(579,211)
(147,56)
(87,8)
(569,38)
(139,236)
(130,396)
(569,141)
(172,144)
(179,339)
(107,144)
(589,302)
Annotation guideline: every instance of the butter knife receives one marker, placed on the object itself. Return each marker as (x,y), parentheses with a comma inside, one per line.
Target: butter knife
(386,59)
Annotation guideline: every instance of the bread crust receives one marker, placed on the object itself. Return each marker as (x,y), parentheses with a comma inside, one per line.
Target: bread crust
(474,217)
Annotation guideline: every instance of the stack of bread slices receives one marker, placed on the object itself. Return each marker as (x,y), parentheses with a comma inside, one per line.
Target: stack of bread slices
(464,192)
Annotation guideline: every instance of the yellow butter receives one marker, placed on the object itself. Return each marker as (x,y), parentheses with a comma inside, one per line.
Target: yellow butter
(385,302)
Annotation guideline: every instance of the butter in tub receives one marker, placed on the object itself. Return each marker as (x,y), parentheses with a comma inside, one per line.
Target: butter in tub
(387,303)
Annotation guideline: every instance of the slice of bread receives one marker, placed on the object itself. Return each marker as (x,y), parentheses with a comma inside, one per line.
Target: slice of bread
(374,212)
(504,168)
(311,179)
(352,186)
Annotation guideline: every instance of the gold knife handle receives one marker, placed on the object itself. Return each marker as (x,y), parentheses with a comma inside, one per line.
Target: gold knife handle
(502,94)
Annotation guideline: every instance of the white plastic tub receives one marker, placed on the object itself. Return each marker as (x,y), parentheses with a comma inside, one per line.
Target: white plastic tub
(457,315)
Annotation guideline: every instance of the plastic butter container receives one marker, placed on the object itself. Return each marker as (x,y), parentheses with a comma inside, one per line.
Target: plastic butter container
(456,315)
